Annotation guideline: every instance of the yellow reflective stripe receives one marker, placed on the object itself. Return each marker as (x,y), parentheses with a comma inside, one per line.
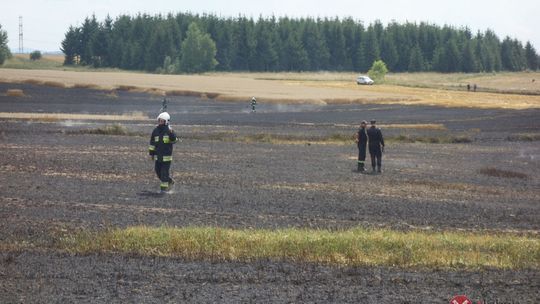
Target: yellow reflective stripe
(164,185)
(167,158)
(166,139)
(152,148)
(156,138)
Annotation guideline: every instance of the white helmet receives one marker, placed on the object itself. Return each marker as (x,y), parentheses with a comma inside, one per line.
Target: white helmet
(165,116)
(253,99)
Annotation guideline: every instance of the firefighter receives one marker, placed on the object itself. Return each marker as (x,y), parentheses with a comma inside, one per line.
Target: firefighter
(161,148)
(376,146)
(253,104)
(361,140)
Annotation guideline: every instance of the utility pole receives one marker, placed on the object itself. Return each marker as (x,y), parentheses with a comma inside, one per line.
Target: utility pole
(21,47)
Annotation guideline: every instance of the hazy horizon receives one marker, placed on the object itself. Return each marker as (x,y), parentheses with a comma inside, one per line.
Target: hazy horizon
(520,22)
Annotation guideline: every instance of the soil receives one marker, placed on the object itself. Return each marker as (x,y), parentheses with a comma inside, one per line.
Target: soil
(54,178)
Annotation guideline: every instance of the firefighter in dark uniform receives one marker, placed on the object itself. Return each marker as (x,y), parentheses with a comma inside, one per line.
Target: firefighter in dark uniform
(376,146)
(361,141)
(161,148)
(253,104)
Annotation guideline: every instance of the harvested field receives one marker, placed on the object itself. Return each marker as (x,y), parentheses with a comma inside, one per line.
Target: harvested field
(80,172)
(311,88)
(502,82)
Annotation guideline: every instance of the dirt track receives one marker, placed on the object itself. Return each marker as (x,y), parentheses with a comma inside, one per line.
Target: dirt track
(54,179)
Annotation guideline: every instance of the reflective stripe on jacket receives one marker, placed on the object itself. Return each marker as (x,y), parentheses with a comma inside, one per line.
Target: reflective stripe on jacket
(161,143)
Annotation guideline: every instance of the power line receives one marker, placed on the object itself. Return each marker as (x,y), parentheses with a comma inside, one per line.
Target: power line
(21,46)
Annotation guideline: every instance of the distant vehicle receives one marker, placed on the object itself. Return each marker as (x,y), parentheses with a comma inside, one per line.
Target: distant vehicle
(364,80)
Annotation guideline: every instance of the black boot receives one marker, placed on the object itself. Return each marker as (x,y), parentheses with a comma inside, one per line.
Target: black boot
(379,170)
(361,167)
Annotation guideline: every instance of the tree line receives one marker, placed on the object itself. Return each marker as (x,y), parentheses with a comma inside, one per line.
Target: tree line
(158,43)
(4,50)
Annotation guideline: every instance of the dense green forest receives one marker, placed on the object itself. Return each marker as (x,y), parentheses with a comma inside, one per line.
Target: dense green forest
(160,44)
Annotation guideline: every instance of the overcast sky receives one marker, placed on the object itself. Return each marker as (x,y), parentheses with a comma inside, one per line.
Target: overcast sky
(46,21)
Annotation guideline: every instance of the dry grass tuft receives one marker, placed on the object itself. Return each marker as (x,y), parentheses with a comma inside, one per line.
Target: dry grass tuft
(490,171)
(212,95)
(49,119)
(524,137)
(126,88)
(209,95)
(85,86)
(440,127)
(111,94)
(32,81)
(115,129)
(293,139)
(54,84)
(15,93)
(69,116)
(334,138)
(154,91)
(354,247)
(183,93)
(459,139)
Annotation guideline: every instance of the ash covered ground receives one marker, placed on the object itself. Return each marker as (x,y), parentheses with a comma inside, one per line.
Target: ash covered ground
(54,177)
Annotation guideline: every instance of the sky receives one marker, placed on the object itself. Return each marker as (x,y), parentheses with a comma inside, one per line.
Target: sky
(46,21)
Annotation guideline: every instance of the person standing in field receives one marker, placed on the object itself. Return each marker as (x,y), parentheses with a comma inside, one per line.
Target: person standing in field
(376,146)
(361,140)
(253,104)
(160,150)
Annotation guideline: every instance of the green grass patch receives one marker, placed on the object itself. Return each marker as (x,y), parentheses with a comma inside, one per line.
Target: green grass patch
(354,247)
(48,62)
(20,62)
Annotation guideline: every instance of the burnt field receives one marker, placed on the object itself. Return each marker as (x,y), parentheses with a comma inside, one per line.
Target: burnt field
(284,166)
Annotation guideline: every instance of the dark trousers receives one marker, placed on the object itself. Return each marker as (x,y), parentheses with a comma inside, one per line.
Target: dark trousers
(376,155)
(162,172)
(361,157)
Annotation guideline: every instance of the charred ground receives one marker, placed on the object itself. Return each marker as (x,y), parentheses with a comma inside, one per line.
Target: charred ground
(55,178)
